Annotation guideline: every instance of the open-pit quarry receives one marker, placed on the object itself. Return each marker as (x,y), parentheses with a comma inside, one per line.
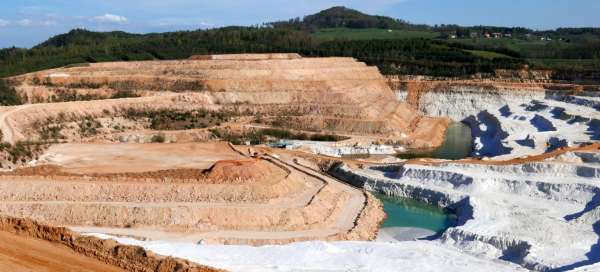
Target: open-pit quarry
(273,162)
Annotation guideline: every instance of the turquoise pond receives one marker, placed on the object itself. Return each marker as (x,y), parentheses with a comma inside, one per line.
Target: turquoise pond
(403,212)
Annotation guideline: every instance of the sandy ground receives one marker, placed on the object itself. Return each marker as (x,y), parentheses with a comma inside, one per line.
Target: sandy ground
(121,158)
(24,254)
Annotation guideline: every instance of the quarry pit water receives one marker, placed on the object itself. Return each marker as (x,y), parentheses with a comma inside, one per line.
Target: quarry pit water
(458,144)
(408,213)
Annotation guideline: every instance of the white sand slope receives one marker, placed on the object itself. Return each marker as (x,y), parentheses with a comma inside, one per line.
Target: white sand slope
(419,256)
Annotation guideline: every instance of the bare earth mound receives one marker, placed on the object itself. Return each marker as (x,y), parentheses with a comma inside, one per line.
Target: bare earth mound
(238,170)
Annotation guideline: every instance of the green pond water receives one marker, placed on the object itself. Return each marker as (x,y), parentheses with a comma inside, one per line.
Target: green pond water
(457,145)
(404,212)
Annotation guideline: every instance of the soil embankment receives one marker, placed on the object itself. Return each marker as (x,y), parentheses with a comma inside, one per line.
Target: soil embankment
(26,245)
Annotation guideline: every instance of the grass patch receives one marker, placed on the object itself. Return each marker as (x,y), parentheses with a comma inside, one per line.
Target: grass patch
(488,54)
(328,34)
(566,63)
(519,45)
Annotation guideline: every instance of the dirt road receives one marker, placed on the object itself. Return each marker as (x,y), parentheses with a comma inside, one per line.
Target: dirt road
(8,134)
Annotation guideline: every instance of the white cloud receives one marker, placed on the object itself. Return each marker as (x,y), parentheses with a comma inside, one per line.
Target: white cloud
(24,22)
(4,23)
(48,23)
(110,18)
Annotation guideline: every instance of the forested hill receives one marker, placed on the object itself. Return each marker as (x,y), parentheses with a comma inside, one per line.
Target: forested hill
(80,37)
(344,17)
(395,46)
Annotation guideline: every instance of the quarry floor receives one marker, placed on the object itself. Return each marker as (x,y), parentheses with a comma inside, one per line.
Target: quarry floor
(119,158)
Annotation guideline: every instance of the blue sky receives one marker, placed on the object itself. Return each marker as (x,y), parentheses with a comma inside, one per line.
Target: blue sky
(24,23)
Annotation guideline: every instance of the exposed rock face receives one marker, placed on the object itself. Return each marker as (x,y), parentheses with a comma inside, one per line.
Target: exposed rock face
(541,214)
(338,95)
(511,119)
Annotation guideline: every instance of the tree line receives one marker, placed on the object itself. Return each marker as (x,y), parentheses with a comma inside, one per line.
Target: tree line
(423,56)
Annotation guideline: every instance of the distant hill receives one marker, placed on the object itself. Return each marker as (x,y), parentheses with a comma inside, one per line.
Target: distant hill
(84,38)
(394,45)
(345,17)
(342,17)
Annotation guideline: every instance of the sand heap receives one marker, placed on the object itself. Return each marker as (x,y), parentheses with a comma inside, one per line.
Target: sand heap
(238,170)
(337,95)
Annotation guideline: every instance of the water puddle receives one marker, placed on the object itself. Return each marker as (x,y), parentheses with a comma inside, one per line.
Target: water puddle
(409,219)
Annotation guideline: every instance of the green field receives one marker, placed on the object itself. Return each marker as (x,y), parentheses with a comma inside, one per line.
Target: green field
(328,34)
(525,47)
(566,63)
(487,54)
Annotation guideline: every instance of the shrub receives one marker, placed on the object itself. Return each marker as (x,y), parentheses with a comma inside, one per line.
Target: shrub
(158,138)
(89,127)
(22,151)
(124,94)
(8,95)
(165,119)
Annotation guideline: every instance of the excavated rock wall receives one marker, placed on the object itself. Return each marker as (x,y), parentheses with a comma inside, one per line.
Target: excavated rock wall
(527,213)
(510,120)
(338,95)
